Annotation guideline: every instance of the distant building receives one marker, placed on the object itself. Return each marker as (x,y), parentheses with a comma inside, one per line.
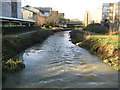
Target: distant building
(119,15)
(87,18)
(118,11)
(31,13)
(110,11)
(11,8)
(61,19)
(75,19)
(11,14)
(45,10)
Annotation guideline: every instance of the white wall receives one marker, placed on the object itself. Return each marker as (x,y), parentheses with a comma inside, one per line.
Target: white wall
(19,9)
(6,8)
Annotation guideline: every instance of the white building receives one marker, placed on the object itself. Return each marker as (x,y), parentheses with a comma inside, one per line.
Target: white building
(11,8)
(109,11)
(11,14)
(87,18)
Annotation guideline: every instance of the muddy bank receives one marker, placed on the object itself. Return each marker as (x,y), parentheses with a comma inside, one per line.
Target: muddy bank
(107,52)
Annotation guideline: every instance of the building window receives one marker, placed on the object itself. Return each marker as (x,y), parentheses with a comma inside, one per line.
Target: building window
(14,9)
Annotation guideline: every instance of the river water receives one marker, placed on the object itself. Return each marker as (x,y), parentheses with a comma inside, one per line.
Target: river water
(57,63)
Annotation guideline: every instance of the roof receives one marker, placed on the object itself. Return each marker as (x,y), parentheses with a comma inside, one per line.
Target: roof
(44,11)
(31,10)
(44,8)
(15,19)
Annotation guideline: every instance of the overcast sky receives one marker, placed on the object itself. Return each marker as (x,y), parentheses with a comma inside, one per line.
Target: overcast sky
(71,8)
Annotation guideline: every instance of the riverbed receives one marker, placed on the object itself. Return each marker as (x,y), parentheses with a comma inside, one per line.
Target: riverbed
(58,63)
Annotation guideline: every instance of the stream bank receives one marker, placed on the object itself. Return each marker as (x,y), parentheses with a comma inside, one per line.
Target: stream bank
(15,44)
(58,63)
(105,49)
(12,45)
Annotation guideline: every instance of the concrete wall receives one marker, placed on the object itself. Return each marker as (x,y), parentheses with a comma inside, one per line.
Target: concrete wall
(6,8)
(19,8)
(11,10)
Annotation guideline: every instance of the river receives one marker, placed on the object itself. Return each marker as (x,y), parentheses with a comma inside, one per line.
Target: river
(57,63)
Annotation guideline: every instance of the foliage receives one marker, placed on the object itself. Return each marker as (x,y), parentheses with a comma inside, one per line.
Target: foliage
(107,49)
(77,36)
(16,30)
(97,28)
(14,45)
(109,41)
(12,65)
(55,18)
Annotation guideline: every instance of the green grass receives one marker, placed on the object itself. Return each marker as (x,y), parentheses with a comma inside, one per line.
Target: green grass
(109,41)
(15,44)
(116,35)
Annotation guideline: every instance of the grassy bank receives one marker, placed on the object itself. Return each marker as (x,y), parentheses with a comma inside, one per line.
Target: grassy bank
(107,49)
(77,36)
(11,46)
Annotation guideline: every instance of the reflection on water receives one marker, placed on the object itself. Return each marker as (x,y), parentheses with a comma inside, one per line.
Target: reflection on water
(59,63)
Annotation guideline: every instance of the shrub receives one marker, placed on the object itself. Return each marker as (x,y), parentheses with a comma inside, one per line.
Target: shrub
(77,36)
(97,28)
(16,30)
(12,65)
(11,46)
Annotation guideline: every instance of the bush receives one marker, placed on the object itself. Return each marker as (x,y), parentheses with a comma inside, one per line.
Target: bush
(16,30)
(77,36)
(14,45)
(12,65)
(96,27)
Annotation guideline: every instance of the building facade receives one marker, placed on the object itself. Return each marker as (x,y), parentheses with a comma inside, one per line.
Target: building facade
(118,11)
(11,8)
(110,11)
(31,13)
(45,11)
(87,18)
(11,15)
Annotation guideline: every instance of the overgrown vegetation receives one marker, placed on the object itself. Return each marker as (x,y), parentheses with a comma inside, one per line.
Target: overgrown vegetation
(96,28)
(14,45)
(12,65)
(115,43)
(20,29)
(77,36)
(105,48)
